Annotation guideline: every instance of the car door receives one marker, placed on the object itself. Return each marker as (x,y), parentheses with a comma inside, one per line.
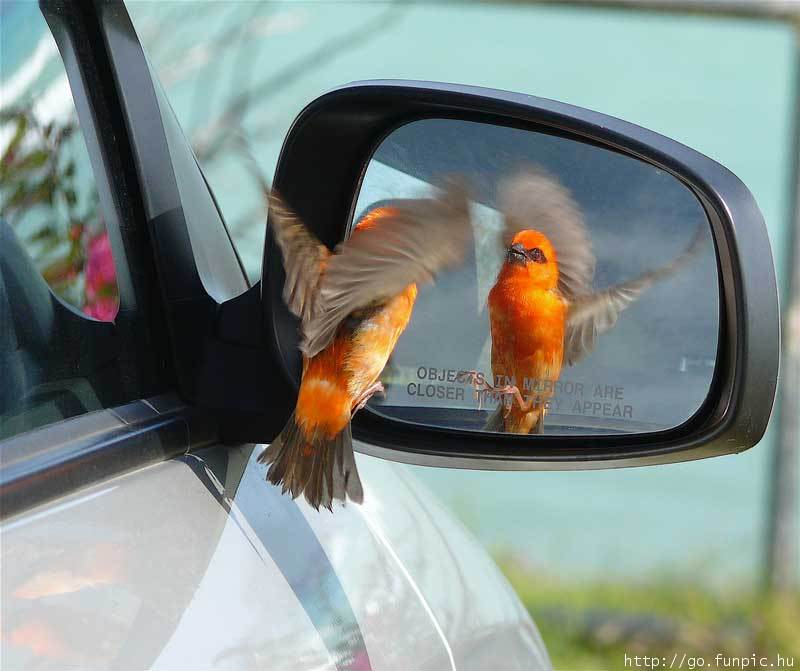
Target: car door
(131,537)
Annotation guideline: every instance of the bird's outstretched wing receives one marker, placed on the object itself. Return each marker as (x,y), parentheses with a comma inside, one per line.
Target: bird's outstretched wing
(410,245)
(590,315)
(420,238)
(304,258)
(533,200)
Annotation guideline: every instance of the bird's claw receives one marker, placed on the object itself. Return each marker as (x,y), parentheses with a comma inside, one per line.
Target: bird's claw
(479,383)
(513,391)
(369,392)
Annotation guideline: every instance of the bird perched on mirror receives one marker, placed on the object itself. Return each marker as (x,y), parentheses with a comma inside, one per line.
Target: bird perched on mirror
(544,313)
(353,305)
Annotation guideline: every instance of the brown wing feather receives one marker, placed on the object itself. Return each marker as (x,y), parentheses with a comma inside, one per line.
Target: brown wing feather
(424,237)
(304,258)
(533,200)
(594,314)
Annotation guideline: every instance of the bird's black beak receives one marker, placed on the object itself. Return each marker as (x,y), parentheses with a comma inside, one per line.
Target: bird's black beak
(516,254)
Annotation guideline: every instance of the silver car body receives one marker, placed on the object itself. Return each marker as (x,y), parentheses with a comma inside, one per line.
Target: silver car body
(197,563)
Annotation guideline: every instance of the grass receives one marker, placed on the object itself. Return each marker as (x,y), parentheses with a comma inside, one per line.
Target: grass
(590,625)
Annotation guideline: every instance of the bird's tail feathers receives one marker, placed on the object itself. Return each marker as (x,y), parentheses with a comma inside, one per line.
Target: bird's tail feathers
(321,469)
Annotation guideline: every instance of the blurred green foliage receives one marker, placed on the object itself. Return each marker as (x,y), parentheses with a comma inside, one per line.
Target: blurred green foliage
(55,217)
(37,180)
(591,624)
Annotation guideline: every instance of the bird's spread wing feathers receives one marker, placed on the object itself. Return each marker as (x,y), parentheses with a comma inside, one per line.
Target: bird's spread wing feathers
(533,200)
(304,258)
(593,314)
(423,237)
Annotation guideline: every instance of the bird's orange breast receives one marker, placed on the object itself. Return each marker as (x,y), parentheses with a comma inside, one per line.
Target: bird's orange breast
(527,326)
(334,379)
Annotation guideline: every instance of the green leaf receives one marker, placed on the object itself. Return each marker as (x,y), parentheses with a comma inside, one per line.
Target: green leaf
(35,159)
(18,196)
(45,233)
(19,133)
(108,291)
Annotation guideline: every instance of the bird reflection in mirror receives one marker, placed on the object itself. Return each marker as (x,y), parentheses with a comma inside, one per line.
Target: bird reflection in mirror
(544,313)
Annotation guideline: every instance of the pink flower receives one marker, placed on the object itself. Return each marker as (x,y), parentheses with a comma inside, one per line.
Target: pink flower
(102,299)
(100,263)
(104,309)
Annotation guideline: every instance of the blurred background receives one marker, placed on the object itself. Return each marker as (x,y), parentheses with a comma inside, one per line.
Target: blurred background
(699,557)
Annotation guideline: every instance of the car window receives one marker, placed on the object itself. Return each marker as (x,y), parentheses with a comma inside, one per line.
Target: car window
(48,195)
(59,348)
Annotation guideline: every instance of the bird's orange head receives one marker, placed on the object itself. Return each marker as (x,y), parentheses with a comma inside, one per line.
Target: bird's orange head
(532,256)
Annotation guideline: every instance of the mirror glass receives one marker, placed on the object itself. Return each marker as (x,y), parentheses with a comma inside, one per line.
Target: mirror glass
(590,287)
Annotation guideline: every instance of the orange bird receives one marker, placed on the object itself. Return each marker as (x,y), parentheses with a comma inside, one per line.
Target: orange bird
(353,305)
(543,311)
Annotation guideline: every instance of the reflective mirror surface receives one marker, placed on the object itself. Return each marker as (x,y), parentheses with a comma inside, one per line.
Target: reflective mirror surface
(588,302)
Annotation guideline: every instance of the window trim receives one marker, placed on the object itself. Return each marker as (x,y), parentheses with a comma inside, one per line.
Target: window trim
(51,461)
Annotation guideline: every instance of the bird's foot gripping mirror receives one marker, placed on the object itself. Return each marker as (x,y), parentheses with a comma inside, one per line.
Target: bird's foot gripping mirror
(575,287)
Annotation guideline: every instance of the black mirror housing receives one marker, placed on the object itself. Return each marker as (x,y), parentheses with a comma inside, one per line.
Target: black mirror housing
(320,172)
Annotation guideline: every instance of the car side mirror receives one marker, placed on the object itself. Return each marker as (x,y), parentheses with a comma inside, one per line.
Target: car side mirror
(616,304)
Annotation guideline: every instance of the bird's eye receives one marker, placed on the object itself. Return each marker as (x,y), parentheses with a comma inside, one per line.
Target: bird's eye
(537,255)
